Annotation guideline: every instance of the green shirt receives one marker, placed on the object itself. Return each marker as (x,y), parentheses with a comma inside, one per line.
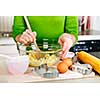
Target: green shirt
(47,27)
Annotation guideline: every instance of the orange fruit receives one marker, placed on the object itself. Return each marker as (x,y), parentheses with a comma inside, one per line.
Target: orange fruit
(68,61)
(62,67)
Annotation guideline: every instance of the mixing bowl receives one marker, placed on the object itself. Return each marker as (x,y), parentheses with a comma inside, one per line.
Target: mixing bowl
(18,65)
(37,58)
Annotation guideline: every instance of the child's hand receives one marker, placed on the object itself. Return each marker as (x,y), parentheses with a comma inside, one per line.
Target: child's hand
(66,41)
(27,37)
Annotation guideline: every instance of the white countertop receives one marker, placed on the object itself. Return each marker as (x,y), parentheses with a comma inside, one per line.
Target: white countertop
(12,51)
(88,37)
(8,46)
(7,40)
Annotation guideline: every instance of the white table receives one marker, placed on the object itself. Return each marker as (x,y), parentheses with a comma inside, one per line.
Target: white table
(8,46)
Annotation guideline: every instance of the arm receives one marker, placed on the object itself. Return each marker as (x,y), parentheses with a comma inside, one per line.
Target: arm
(18,26)
(68,39)
(19,33)
(71,26)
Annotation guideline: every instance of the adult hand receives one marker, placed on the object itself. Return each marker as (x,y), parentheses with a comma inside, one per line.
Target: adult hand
(27,37)
(66,41)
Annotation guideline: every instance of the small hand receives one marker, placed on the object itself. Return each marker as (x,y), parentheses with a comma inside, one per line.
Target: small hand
(66,41)
(27,37)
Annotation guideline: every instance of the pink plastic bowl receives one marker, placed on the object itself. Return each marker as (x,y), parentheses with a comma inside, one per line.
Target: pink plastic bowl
(18,65)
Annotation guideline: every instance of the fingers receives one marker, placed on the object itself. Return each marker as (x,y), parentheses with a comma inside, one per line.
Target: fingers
(60,42)
(66,46)
(27,37)
(65,49)
(32,34)
(23,41)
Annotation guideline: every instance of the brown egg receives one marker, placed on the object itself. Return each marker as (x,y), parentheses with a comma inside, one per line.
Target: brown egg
(68,61)
(62,67)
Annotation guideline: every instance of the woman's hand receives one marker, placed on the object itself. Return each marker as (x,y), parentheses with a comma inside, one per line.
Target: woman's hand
(27,37)
(66,41)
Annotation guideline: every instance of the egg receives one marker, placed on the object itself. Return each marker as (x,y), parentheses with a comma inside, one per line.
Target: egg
(68,61)
(62,67)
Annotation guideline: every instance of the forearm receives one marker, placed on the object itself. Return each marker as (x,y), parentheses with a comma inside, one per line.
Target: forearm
(18,26)
(66,40)
(71,27)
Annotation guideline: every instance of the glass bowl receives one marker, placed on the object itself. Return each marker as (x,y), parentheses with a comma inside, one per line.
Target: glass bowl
(50,56)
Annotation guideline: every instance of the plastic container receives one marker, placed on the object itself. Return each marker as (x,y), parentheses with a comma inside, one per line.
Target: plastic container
(3,65)
(17,65)
(13,65)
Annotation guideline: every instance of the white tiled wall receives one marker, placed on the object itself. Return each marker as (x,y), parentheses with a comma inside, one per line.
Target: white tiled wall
(95,23)
(6,23)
